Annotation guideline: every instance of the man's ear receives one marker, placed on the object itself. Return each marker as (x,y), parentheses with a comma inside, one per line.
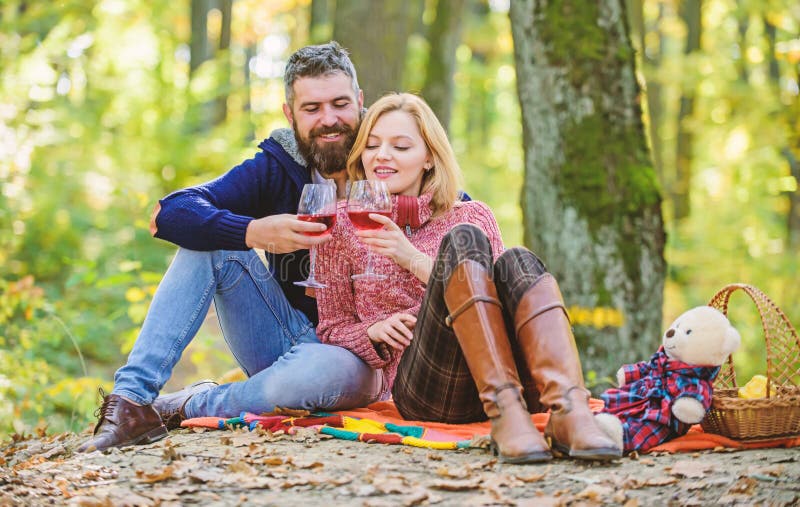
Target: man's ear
(287,112)
(360,99)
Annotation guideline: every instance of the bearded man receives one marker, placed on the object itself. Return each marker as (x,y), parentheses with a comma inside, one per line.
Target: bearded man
(268,322)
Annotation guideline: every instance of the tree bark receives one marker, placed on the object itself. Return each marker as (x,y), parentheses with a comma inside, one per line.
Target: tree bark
(591,204)
(680,192)
(445,35)
(376,34)
(650,59)
(221,105)
(199,45)
(319,24)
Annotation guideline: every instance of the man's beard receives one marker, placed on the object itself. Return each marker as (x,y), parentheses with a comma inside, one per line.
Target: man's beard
(327,158)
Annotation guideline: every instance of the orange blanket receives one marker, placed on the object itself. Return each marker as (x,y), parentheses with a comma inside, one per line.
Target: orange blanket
(695,440)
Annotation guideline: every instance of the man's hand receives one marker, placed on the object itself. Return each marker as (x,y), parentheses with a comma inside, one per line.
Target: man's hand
(396,331)
(283,234)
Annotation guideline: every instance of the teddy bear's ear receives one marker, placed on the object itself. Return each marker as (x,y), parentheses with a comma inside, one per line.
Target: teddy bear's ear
(732,340)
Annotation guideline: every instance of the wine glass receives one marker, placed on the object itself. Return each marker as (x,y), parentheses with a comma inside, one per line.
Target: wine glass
(368,196)
(317,204)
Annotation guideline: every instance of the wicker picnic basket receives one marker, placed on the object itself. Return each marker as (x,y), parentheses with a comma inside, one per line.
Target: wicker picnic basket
(777,415)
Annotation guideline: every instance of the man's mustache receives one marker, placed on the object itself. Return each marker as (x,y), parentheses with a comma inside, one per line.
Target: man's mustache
(340,128)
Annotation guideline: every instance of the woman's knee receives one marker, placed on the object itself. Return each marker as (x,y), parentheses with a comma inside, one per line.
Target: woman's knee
(515,272)
(463,242)
(518,261)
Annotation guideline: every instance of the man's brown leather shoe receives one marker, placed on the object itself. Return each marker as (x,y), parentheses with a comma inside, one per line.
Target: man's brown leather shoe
(121,423)
(170,406)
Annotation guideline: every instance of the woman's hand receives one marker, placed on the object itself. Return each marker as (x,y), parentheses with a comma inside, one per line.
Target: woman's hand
(392,242)
(395,331)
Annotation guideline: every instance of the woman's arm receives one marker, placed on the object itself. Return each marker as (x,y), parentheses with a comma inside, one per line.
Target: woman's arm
(339,323)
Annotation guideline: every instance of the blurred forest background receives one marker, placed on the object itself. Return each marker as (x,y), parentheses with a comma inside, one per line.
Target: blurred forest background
(108,105)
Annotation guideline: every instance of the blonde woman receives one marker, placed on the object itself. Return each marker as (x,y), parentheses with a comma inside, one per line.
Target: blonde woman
(436,326)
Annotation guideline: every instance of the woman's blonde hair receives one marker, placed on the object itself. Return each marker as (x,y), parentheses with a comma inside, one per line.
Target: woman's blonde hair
(443,180)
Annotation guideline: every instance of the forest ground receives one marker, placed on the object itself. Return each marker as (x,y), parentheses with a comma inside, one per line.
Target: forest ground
(215,468)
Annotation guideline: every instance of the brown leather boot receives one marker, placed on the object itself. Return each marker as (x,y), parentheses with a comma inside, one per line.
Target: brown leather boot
(170,406)
(546,340)
(477,320)
(123,423)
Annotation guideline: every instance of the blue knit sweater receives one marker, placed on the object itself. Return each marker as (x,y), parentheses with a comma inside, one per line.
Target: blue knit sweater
(215,215)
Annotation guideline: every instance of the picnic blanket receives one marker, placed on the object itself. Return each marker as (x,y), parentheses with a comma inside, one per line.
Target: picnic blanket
(381,423)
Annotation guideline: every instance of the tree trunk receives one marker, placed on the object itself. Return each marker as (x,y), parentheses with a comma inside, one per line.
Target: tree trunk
(221,106)
(591,204)
(319,25)
(770,30)
(793,218)
(743,21)
(199,46)
(650,59)
(376,34)
(791,154)
(445,35)
(250,52)
(680,191)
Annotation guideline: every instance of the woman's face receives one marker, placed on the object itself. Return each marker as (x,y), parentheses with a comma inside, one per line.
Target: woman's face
(396,154)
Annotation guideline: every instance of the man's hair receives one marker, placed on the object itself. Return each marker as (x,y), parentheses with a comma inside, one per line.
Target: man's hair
(315,61)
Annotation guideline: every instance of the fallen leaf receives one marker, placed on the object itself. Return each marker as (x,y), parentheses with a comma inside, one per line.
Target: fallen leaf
(660,481)
(416,498)
(456,485)
(692,486)
(272,461)
(735,500)
(627,482)
(170,453)
(772,470)
(542,501)
(744,486)
(148,478)
(242,467)
(87,501)
(595,492)
(204,475)
(497,481)
(531,477)
(289,412)
(458,473)
(307,465)
(390,484)
(693,469)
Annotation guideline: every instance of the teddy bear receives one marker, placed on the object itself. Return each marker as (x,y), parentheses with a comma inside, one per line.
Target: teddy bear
(660,399)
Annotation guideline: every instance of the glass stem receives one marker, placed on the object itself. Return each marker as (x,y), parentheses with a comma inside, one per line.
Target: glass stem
(369,262)
(312,263)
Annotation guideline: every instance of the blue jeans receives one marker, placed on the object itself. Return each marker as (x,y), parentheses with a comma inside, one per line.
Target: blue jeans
(275,344)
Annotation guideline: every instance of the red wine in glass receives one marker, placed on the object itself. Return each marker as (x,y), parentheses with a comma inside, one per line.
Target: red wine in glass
(363,222)
(328,220)
(368,196)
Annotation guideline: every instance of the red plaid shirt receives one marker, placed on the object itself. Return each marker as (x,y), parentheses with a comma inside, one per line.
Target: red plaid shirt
(644,402)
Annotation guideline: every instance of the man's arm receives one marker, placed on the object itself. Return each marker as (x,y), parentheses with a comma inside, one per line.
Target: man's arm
(221,214)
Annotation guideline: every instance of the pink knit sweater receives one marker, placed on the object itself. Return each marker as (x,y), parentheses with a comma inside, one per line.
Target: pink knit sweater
(348,307)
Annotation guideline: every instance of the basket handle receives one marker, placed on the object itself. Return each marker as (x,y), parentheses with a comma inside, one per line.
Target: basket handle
(779,335)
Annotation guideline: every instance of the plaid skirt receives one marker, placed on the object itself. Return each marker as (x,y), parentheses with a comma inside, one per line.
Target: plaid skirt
(433,381)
